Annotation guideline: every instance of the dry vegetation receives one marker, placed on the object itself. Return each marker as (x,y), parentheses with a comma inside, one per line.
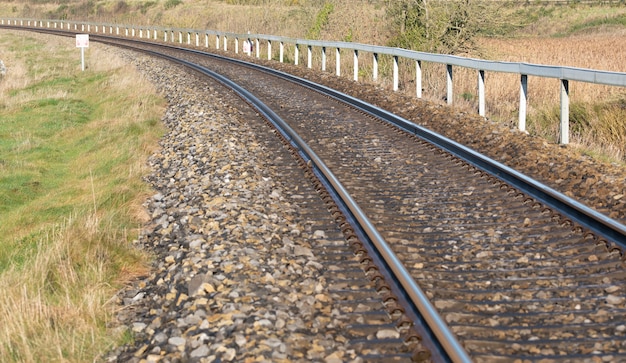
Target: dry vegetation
(597,108)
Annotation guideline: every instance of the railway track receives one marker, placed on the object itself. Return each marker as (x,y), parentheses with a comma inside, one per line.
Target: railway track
(514,278)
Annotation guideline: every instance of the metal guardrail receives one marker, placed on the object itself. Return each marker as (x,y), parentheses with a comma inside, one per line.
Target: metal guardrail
(252,41)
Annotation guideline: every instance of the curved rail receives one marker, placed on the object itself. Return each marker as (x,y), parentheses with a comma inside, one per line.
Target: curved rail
(451,347)
(599,224)
(605,228)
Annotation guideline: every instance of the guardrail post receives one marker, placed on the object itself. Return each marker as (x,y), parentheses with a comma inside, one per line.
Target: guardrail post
(481,92)
(338,62)
(258,47)
(225,43)
(269,49)
(180,37)
(564,139)
(375,67)
(188,38)
(323,59)
(236,45)
(395,73)
(197,39)
(450,94)
(282,51)
(309,57)
(523,100)
(217,41)
(356,65)
(418,78)
(206,40)
(296,53)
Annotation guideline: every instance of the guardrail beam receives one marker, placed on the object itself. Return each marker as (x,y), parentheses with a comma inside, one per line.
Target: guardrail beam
(564,74)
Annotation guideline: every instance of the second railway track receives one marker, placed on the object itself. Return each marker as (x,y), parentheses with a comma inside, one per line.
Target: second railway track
(513,278)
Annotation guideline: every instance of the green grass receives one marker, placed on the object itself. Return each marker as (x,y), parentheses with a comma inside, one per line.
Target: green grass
(542,20)
(72,155)
(605,20)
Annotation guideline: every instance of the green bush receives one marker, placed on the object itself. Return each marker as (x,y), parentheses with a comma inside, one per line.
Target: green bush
(170,4)
(321,20)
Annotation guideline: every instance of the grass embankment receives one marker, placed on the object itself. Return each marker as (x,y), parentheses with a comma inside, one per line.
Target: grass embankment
(73,147)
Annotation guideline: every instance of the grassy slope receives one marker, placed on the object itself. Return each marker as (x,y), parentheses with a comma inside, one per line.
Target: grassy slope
(73,147)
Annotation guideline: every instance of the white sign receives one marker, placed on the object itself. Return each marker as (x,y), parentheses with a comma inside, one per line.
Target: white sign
(82,40)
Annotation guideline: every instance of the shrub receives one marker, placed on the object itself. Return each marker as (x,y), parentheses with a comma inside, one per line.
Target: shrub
(170,4)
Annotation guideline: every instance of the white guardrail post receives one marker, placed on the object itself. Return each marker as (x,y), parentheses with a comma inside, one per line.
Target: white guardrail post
(375,67)
(296,54)
(564,74)
(564,137)
(309,56)
(481,92)
(523,99)
(356,65)
(450,94)
(418,78)
(396,77)
(338,61)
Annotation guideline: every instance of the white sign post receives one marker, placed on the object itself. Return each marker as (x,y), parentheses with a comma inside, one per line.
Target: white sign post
(82,42)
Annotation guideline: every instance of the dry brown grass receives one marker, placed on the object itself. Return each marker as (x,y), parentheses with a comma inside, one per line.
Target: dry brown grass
(601,51)
(56,311)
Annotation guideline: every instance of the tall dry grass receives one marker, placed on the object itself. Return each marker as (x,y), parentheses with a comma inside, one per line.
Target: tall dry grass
(55,310)
(597,112)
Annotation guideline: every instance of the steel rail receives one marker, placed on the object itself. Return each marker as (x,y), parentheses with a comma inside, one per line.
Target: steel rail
(451,346)
(598,223)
